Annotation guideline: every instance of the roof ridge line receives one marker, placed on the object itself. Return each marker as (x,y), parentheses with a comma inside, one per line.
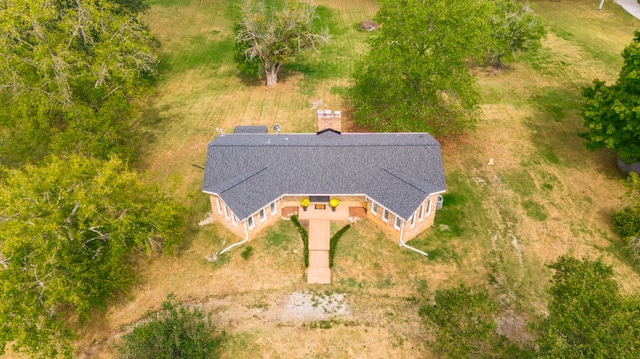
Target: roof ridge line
(405,178)
(236,180)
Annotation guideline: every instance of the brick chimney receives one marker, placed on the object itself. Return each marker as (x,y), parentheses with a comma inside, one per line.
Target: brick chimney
(329,120)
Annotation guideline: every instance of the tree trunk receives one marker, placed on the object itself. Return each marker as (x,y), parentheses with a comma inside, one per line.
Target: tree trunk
(272,74)
(497,62)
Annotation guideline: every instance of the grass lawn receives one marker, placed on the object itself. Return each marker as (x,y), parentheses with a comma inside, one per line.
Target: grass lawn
(544,196)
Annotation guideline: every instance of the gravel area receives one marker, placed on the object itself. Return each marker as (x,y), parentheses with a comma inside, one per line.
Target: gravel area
(305,305)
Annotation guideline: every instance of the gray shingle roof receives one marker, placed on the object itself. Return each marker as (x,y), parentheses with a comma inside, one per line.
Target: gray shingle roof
(250,129)
(397,170)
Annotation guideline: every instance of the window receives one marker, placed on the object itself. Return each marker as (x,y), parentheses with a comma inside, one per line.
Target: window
(262,216)
(374,207)
(226,210)
(219,207)
(398,222)
(250,222)
(421,212)
(234,219)
(385,215)
(428,208)
(413,220)
(273,207)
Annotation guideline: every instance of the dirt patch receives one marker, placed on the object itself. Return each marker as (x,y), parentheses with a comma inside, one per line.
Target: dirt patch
(513,327)
(287,212)
(357,212)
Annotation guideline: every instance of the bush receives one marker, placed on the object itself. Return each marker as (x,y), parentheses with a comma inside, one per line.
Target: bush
(626,223)
(305,239)
(333,242)
(173,332)
(247,252)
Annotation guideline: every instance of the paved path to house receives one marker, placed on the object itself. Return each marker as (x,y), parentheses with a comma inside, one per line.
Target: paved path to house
(631,6)
(319,238)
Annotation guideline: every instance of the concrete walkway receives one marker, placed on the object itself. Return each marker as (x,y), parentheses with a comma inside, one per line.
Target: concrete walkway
(631,6)
(319,232)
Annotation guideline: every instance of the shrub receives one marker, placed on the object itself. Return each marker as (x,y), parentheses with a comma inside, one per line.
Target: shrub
(173,332)
(626,223)
(247,252)
(305,239)
(333,242)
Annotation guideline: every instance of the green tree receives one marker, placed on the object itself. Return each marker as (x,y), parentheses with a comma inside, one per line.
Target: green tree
(514,28)
(414,78)
(67,229)
(267,38)
(611,112)
(175,331)
(464,325)
(588,317)
(68,73)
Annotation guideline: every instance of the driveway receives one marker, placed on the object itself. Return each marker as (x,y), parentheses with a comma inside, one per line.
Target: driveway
(631,6)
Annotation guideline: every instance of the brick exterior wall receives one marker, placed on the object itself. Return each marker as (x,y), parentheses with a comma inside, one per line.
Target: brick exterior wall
(377,217)
(223,214)
(428,215)
(410,231)
(219,211)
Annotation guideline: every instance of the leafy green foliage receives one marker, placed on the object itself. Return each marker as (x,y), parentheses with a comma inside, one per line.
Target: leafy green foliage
(69,72)
(304,234)
(610,112)
(414,78)
(67,229)
(175,331)
(333,243)
(514,28)
(588,317)
(464,326)
(626,223)
(267,38)
(131,6)
(247,253)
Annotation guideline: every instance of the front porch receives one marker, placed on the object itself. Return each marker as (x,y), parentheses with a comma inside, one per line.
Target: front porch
(346,211)
(319,216)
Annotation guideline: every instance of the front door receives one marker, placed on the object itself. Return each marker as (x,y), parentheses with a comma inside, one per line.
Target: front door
(319,199)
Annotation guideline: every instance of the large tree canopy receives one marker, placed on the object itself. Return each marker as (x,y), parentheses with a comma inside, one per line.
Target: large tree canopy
(514,28)
(66,230)
(612,113)
(68,73)
(269,38)
(588,317)
(414,78)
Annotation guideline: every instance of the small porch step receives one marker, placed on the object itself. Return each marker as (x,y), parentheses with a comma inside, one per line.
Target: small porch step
(318,275)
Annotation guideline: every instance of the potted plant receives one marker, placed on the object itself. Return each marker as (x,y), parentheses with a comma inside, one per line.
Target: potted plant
(334,203)
(305,203)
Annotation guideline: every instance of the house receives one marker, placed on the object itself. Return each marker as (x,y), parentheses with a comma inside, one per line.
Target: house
(255,178)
